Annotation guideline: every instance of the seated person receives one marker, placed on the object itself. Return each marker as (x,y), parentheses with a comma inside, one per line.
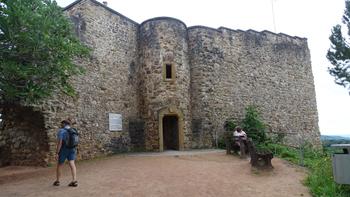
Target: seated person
(240,134)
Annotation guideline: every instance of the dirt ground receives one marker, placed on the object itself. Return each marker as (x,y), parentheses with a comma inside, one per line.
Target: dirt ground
(211,173)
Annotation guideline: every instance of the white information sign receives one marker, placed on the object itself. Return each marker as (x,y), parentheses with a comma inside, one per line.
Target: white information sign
(115,122)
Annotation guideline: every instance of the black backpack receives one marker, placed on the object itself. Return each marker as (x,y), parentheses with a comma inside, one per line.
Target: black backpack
(72,139)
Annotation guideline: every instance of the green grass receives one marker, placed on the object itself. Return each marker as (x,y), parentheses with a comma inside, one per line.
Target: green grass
(320,179)
(321,182)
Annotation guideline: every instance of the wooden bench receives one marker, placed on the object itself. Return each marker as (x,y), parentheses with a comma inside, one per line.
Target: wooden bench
(260,159)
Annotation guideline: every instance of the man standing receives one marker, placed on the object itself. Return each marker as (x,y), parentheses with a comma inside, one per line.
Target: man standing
(64,152)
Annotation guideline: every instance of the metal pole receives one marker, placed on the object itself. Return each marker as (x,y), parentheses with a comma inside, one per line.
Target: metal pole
(216,139)
(273,16)
(301,149)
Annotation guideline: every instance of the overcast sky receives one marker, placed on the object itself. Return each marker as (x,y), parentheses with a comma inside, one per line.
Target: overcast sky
(312,19)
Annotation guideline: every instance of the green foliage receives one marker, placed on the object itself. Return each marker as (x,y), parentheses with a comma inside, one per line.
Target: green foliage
(37,45)
(278,138)
(230,125)
(339,53)
(284,152)
(254,126)
(320,179)
(222,142)
(322,176)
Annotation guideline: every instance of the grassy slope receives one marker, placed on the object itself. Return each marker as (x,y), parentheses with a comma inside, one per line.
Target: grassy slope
(320,179)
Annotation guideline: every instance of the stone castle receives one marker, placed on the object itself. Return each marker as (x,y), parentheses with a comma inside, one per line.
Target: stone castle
(171,86)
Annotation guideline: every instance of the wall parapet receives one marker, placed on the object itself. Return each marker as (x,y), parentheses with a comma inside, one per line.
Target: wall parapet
(102,5)
(220,29)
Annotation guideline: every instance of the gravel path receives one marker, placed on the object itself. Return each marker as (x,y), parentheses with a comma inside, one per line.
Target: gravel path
(194,173)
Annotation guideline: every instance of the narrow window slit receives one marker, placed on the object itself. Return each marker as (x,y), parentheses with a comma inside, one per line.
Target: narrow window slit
(168,71)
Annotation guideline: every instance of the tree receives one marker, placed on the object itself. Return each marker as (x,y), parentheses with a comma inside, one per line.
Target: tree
(339,53)
(254,126)
(37,48)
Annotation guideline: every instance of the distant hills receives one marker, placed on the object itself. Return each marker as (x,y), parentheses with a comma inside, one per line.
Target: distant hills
(328,140)
(334,137)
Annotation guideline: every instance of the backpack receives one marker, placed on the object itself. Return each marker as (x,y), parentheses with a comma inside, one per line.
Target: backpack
(72,139)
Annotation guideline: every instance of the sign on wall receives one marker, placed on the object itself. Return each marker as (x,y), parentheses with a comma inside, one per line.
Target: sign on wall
(115,122)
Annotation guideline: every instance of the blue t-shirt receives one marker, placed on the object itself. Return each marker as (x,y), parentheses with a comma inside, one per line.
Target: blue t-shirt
(62,135)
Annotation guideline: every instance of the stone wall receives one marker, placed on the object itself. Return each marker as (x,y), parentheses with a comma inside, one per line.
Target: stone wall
(109,84)
(233,69)
(23,139)
(218,73)
(206,59)
(163,41)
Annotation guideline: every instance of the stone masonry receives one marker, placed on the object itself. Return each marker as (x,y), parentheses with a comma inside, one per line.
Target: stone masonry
(161,68)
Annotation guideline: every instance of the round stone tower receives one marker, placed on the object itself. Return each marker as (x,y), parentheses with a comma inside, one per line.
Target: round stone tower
(164,84)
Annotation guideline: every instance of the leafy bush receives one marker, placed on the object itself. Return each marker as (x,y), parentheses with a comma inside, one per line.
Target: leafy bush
(230,125)
(254,126)
(222,142)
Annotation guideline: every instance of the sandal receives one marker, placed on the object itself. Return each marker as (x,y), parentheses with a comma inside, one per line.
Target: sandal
(73,184)
(56,183)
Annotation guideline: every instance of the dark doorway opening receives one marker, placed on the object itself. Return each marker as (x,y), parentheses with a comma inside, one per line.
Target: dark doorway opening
(171,133)
(25,136)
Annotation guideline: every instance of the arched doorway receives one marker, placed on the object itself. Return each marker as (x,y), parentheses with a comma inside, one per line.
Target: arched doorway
(171,134)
